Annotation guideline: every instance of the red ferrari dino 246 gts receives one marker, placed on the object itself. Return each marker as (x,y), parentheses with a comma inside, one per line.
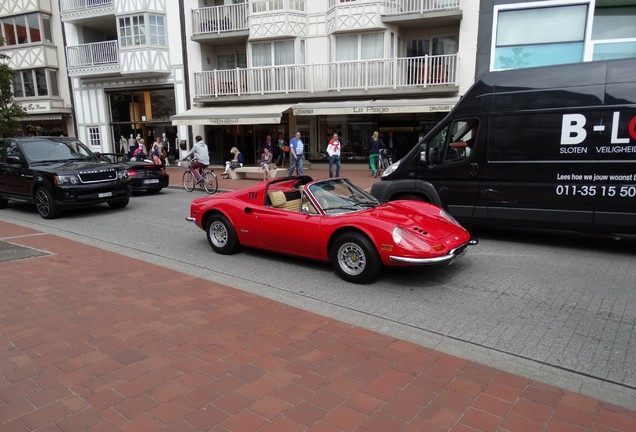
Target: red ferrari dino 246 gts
(330,220)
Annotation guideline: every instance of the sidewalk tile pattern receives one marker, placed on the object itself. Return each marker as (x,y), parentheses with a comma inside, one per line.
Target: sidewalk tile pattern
(95,341)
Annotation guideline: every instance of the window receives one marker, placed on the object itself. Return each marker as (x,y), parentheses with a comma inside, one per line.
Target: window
(277,53)
(133,30)
(93,136)
(454,143)
(156,32)
(24,29)
(35,82)
(539,36)
(614,33)
(360,47)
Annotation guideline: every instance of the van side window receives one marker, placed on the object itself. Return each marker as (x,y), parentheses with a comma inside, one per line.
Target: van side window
(453,143)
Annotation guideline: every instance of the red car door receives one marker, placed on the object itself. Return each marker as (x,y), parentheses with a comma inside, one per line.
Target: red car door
(290,232)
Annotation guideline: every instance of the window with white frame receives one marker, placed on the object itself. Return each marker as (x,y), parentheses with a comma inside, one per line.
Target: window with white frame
(360,46)
(25,29)
(35,82)
(94,136)
(141,30)
(273,53)
(539,36)
(156,30)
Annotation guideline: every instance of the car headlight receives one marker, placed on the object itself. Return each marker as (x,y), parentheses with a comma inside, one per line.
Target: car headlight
(408,240)
(123,174)
(390,169)
(67,180)
(448,217)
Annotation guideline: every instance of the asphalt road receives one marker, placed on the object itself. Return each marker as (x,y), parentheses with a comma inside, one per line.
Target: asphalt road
(559,307)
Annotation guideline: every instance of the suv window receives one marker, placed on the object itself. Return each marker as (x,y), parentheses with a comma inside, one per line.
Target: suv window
(49,150)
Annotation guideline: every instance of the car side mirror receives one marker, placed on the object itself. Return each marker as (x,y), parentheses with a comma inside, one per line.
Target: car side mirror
(14,160)
(423,151)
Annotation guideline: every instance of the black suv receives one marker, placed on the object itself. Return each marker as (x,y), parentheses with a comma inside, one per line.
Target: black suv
(57,173)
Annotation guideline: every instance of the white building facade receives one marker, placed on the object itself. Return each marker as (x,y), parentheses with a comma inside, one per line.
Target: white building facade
(34,44)
(264,67)
(126,66)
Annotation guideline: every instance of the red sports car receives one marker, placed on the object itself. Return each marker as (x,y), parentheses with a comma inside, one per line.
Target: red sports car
(330,220)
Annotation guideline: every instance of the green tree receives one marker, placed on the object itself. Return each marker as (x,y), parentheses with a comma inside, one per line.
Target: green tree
(10,110)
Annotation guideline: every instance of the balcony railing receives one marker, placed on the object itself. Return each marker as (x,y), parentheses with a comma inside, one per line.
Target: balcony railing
(399,7)
(337,76)
(75,5)
(219,19)
(92,54)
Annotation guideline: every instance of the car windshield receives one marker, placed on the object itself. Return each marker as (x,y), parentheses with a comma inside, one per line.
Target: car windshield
(50,150)
(340,196)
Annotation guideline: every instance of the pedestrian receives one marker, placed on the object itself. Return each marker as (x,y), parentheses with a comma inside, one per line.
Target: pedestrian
(333,150)
(296,148)
(236,162)
(283,150)
(266,160)
(375,144)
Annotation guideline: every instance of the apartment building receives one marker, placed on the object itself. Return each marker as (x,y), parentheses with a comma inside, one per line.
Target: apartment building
(263,67)
(526,33)
(126,67)
(34,44)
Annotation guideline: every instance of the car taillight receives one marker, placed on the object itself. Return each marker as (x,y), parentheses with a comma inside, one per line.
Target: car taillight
(163,171)
(132,173)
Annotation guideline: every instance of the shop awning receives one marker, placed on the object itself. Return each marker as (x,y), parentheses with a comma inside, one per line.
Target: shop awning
(231,115)
(40,117)
(380,106)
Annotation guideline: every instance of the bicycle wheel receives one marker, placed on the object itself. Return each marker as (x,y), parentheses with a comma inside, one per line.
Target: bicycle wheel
(188,181)
(211,183)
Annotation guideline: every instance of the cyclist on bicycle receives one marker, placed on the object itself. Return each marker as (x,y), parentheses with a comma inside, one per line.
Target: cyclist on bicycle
(200,155)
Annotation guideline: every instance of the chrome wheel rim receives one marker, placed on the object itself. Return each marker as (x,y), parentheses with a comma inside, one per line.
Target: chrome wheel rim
(351,258)
(218,234)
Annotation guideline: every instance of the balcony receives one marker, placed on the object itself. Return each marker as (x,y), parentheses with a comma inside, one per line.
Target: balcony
(220,25)
(411,13)
(279,18)
(346,15)
(93,59)
(105,58)
(403,74)
(75,10)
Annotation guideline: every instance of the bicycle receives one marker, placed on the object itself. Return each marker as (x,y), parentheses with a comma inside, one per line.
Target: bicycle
(383,162)
(206,180)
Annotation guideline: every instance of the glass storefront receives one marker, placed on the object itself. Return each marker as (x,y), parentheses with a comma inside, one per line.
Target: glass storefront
(145,113)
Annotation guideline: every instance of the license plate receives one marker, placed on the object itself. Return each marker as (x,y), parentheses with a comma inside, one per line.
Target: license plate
(105,194)
(151,181)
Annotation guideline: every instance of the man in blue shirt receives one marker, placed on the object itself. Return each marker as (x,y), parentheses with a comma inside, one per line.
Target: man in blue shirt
(296,148)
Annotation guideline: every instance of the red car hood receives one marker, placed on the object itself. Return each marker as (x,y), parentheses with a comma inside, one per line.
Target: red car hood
(418,217)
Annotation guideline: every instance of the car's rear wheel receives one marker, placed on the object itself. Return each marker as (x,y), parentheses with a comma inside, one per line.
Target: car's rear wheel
(45,204)
(221,235)
(355,258)
(119,203)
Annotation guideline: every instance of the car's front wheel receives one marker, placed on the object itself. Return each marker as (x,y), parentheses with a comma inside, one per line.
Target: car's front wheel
(355,258)
(45,204)
(221,235)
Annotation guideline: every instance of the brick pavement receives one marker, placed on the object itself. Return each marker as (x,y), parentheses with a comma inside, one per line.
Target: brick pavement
(91,340)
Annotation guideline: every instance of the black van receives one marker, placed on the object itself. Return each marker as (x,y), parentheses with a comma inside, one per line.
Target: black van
(547,147)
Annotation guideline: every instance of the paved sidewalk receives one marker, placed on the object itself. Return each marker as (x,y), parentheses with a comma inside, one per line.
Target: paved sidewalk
(91,340)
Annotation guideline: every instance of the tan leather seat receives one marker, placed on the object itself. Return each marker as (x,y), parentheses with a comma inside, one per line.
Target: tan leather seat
(277,199)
